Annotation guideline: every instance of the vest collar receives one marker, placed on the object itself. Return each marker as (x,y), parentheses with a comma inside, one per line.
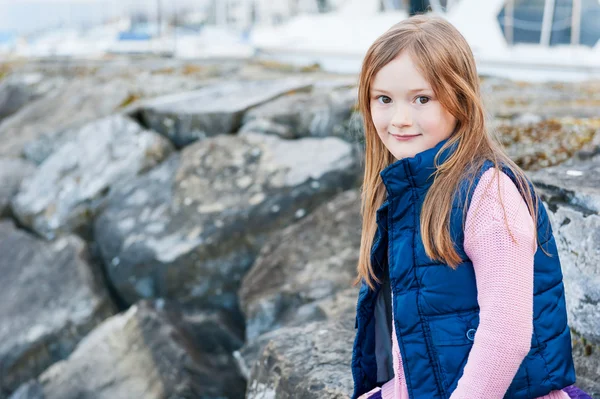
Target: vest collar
(414,172)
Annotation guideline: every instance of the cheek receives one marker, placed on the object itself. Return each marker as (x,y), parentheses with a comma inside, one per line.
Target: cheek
(379,119)
(447,123)
(437,122)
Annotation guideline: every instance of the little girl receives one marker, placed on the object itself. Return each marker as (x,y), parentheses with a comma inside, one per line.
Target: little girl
(461,291)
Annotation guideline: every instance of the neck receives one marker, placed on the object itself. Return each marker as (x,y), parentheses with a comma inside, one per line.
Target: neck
(414,172)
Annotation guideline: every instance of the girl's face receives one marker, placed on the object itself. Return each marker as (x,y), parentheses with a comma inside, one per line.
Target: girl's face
(407,116)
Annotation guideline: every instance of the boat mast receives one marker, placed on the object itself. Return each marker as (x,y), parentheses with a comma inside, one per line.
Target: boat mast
(547,22)
(509,14)
(575,22)
(159,18)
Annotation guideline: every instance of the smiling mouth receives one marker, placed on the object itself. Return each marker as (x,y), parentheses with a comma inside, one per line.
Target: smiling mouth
(404,137)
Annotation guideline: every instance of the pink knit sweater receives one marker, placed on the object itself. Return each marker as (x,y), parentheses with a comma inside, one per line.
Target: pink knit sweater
(504,275)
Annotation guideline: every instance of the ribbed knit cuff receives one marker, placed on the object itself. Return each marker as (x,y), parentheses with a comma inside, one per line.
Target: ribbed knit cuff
(374,393)
(388,390)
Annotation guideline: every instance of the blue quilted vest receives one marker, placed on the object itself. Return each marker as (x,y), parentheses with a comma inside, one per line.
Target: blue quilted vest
(435,308)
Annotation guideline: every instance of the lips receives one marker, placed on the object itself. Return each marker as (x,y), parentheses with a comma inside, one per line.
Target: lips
(404,137)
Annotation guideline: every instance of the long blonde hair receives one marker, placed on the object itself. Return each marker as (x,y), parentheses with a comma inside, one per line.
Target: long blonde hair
(445,60)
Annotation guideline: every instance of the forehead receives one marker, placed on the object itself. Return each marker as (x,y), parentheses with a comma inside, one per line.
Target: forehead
(399,75)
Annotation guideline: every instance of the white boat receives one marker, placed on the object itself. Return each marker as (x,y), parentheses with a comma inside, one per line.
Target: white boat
(532,40)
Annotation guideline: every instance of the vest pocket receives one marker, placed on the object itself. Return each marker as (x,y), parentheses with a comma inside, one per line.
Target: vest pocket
(452,339)
(455,328)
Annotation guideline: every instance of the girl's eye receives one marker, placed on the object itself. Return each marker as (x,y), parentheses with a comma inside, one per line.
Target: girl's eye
(423,100)
(384,99)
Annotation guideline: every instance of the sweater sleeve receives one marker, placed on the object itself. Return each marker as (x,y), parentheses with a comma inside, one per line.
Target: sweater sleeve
(500,241)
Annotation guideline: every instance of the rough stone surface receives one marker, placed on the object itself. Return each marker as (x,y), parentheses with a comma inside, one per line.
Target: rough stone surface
(572,194)
(212,110)
(50,298)
(79,102)
(587,365)
(304,362)
(267,126)
(19,88)
(535,144)
(13,95)
(60,105)
(139,87)
(577,239)
(12,172)
(576,183)
(146,352)
(339,309)
(29,390)
(213,331)
(307,262)
(191,227)
(317,114)
(65,192)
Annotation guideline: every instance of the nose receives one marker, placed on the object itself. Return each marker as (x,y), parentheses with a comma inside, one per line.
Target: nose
(402,116)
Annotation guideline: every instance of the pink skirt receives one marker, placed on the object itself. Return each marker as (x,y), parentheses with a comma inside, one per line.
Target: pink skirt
(576,393)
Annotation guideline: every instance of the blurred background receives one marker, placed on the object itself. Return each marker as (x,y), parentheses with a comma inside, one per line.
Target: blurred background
(179,184)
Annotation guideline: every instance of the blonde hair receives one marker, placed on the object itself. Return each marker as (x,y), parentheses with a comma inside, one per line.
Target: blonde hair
(444,58)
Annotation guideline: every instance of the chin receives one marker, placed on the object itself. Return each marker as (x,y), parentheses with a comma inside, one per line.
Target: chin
(405,154)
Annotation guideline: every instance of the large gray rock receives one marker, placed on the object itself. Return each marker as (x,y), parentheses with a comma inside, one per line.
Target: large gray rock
(306,362)
(320,113)
(12,172)
(339,309)
(307,262)
(50,297)
(77,103)
(575,183)
(301,276)
(587,365)
(13,95)
(213,331)
(68,188)
(572,191)
(146,352)
(191,228)
(29,390)
(578,236)
(212,110)
(20,88)
(142,85)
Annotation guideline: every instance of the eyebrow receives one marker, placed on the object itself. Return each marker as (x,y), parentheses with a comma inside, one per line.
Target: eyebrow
(409,92)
